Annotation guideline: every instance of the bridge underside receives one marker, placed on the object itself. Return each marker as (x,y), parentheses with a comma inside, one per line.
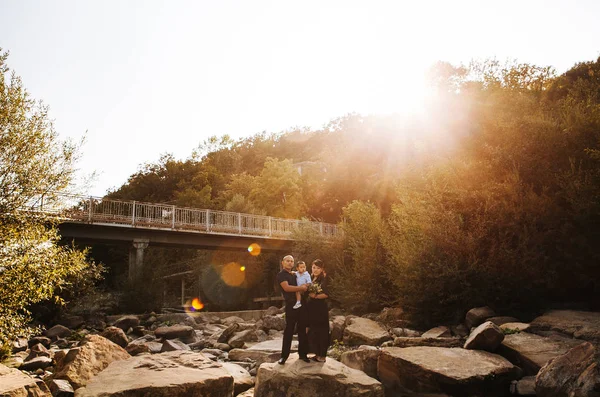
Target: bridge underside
(140,238)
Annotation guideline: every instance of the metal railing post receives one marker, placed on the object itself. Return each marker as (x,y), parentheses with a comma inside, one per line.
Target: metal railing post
(173,221)
(208,220)
(90,209)
(270,226)
(239,223)
(133,214)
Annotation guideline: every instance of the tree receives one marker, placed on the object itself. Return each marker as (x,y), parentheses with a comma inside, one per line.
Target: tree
(34,165)
(277,189)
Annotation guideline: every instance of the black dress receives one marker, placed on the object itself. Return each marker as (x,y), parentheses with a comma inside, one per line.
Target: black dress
(318,320)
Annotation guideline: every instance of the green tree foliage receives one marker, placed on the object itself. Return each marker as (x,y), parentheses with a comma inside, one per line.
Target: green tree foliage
(34,165)
(358,281)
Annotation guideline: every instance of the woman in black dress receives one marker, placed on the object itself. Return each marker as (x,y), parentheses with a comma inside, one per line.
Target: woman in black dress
(318,312)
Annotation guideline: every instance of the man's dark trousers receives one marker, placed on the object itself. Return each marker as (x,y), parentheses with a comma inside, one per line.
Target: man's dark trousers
(293,318)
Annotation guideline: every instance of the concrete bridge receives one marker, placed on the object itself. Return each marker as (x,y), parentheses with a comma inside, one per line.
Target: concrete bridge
(139,224)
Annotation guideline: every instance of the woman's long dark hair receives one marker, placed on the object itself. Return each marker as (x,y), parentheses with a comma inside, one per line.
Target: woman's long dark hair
(319,263)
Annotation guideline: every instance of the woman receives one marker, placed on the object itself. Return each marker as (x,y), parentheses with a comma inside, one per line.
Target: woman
(318,312)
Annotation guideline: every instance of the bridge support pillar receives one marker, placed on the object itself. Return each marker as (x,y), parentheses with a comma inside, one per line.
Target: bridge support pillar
(136,258)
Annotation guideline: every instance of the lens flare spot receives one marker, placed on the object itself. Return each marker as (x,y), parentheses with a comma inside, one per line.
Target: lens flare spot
(197,304)
(254,249)
(232,275)
(242,268)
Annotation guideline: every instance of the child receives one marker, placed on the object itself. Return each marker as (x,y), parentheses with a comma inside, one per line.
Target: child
(302,277)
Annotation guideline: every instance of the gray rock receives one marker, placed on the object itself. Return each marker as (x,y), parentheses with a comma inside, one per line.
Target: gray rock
(362,331)
(531,352)
(524,386)
(454,371)
(499,320)
(60,388)
(173,374)
(477,316)
(39,339)
(438,332)
(273,322)
(488,336)
(242,380)
(126,322)
(58,331)
(406,341)
(574,374)
(40,362)
(183,332)
(173,344)
(15,383)
(115,335)
(362,359)
(331,378)
(578,324)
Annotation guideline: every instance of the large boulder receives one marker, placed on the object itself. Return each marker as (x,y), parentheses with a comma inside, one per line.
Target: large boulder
(364,359)
(84,362)
(477,316)
(454,371)
(488,336)
(300,379)
(362,331)
(574,374)
(171,374)
(531,352)
(14,383)
(578,324)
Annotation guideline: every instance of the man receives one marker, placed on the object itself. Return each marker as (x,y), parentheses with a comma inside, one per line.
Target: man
(293,317)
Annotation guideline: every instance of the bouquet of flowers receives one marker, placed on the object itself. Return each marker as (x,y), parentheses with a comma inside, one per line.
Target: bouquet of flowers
(315,288)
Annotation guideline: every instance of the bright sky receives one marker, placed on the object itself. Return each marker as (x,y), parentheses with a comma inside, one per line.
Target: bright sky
(150,77)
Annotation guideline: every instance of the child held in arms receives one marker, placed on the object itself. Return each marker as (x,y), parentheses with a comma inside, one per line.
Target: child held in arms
(302,277)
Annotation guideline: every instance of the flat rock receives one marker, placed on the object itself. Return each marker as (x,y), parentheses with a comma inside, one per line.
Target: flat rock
(512,327)
(84,362)
(14,383)
(60,388)
(171,374)
(438,332)
(362,359)
(300,379)
(268,351)
(362,331)
(578,324)
(454,371)
(531,352)
(407,341)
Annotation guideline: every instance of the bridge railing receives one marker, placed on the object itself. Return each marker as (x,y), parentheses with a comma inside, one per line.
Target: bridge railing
(165,216)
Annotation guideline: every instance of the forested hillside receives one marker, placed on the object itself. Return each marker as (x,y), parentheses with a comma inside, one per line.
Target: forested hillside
(489,195)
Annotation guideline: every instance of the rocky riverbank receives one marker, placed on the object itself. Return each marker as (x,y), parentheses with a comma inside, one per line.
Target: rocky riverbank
(374,355)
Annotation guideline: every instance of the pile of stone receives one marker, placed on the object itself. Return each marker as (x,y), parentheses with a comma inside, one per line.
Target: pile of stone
(374,355)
